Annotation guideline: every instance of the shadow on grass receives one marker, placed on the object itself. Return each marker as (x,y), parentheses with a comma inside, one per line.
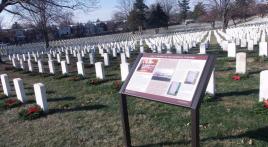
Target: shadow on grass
(254,72)
(258,134)
(84,108)
(166,143)
(237,93)
(68,98)
(225,69)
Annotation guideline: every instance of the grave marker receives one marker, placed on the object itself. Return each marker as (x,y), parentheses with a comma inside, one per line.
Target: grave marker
(51,66)
(99,70)
(40,66)
(5,84)
(231,50)
(80,68)
(124,68)
(64,67)
(40,96)
(241,63)
(19,88)
(263,86)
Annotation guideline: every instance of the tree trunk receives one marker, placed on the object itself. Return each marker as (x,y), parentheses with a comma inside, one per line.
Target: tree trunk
(213,24)
(2,7)
(234,21)
(224,21)
(224,24)
(46,38)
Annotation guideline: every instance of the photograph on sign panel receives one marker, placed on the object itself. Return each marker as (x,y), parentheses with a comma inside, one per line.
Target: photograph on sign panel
(162,75)
(147,65)
(191,77)
(174,88)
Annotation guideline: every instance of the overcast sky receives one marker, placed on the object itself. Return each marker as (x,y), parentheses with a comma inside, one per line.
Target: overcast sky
(105,12)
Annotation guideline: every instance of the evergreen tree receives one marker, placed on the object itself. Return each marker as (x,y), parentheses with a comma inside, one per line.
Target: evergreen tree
(137,17)
(158,18)
(199,10)
(184,6)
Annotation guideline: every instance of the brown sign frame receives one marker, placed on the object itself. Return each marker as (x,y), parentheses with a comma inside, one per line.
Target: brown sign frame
(194,105)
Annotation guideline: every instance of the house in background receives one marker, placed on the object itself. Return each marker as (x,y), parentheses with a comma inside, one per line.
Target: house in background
(64,31)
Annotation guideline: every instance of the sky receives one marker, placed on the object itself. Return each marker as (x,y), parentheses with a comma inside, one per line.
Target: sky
(104,12)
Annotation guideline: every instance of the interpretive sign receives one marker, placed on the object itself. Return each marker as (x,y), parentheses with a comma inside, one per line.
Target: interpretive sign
(172,79)
(179,80)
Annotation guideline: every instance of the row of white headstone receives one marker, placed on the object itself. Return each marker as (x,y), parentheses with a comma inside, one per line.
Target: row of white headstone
(39,90)
(99,67)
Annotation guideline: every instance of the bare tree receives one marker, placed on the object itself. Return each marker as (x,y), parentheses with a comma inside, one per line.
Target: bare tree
(66,19)
(45,12)
(261,9)
(223,7)
(124,7)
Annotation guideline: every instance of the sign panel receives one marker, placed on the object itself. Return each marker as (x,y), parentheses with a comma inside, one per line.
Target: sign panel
(172,79)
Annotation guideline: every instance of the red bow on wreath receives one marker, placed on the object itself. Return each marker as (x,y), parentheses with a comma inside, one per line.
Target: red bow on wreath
(33,109)
(236,78)
(265,104)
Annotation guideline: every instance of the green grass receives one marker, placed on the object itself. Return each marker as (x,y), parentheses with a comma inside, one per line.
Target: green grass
(82,114)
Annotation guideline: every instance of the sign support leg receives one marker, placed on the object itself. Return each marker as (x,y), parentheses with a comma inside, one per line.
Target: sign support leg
(195,128)
(125,121)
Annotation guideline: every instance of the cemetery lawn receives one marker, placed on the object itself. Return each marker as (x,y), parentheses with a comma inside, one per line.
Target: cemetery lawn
(82,114)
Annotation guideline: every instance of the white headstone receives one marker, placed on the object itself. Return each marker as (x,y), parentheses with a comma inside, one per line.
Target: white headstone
(14,62)
(250,45)
(40,96)
(127,51)
(231,50)
(241,63)
(22,64)
(202,48)
(67,59)
(99,70)
(123,58)
(30,66)
(263,49)
(91,58)
(40,66)
(24,57)
(59,58)
(80,68)
(5,84)
(19,88)
(35,57)
(243,43)
(185,47)
(124,67)
(64,67)
(211,85)
(263,86)
(51,66)
(114,52)
(106,59)
(141,49)
(79,57)
(49,57)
